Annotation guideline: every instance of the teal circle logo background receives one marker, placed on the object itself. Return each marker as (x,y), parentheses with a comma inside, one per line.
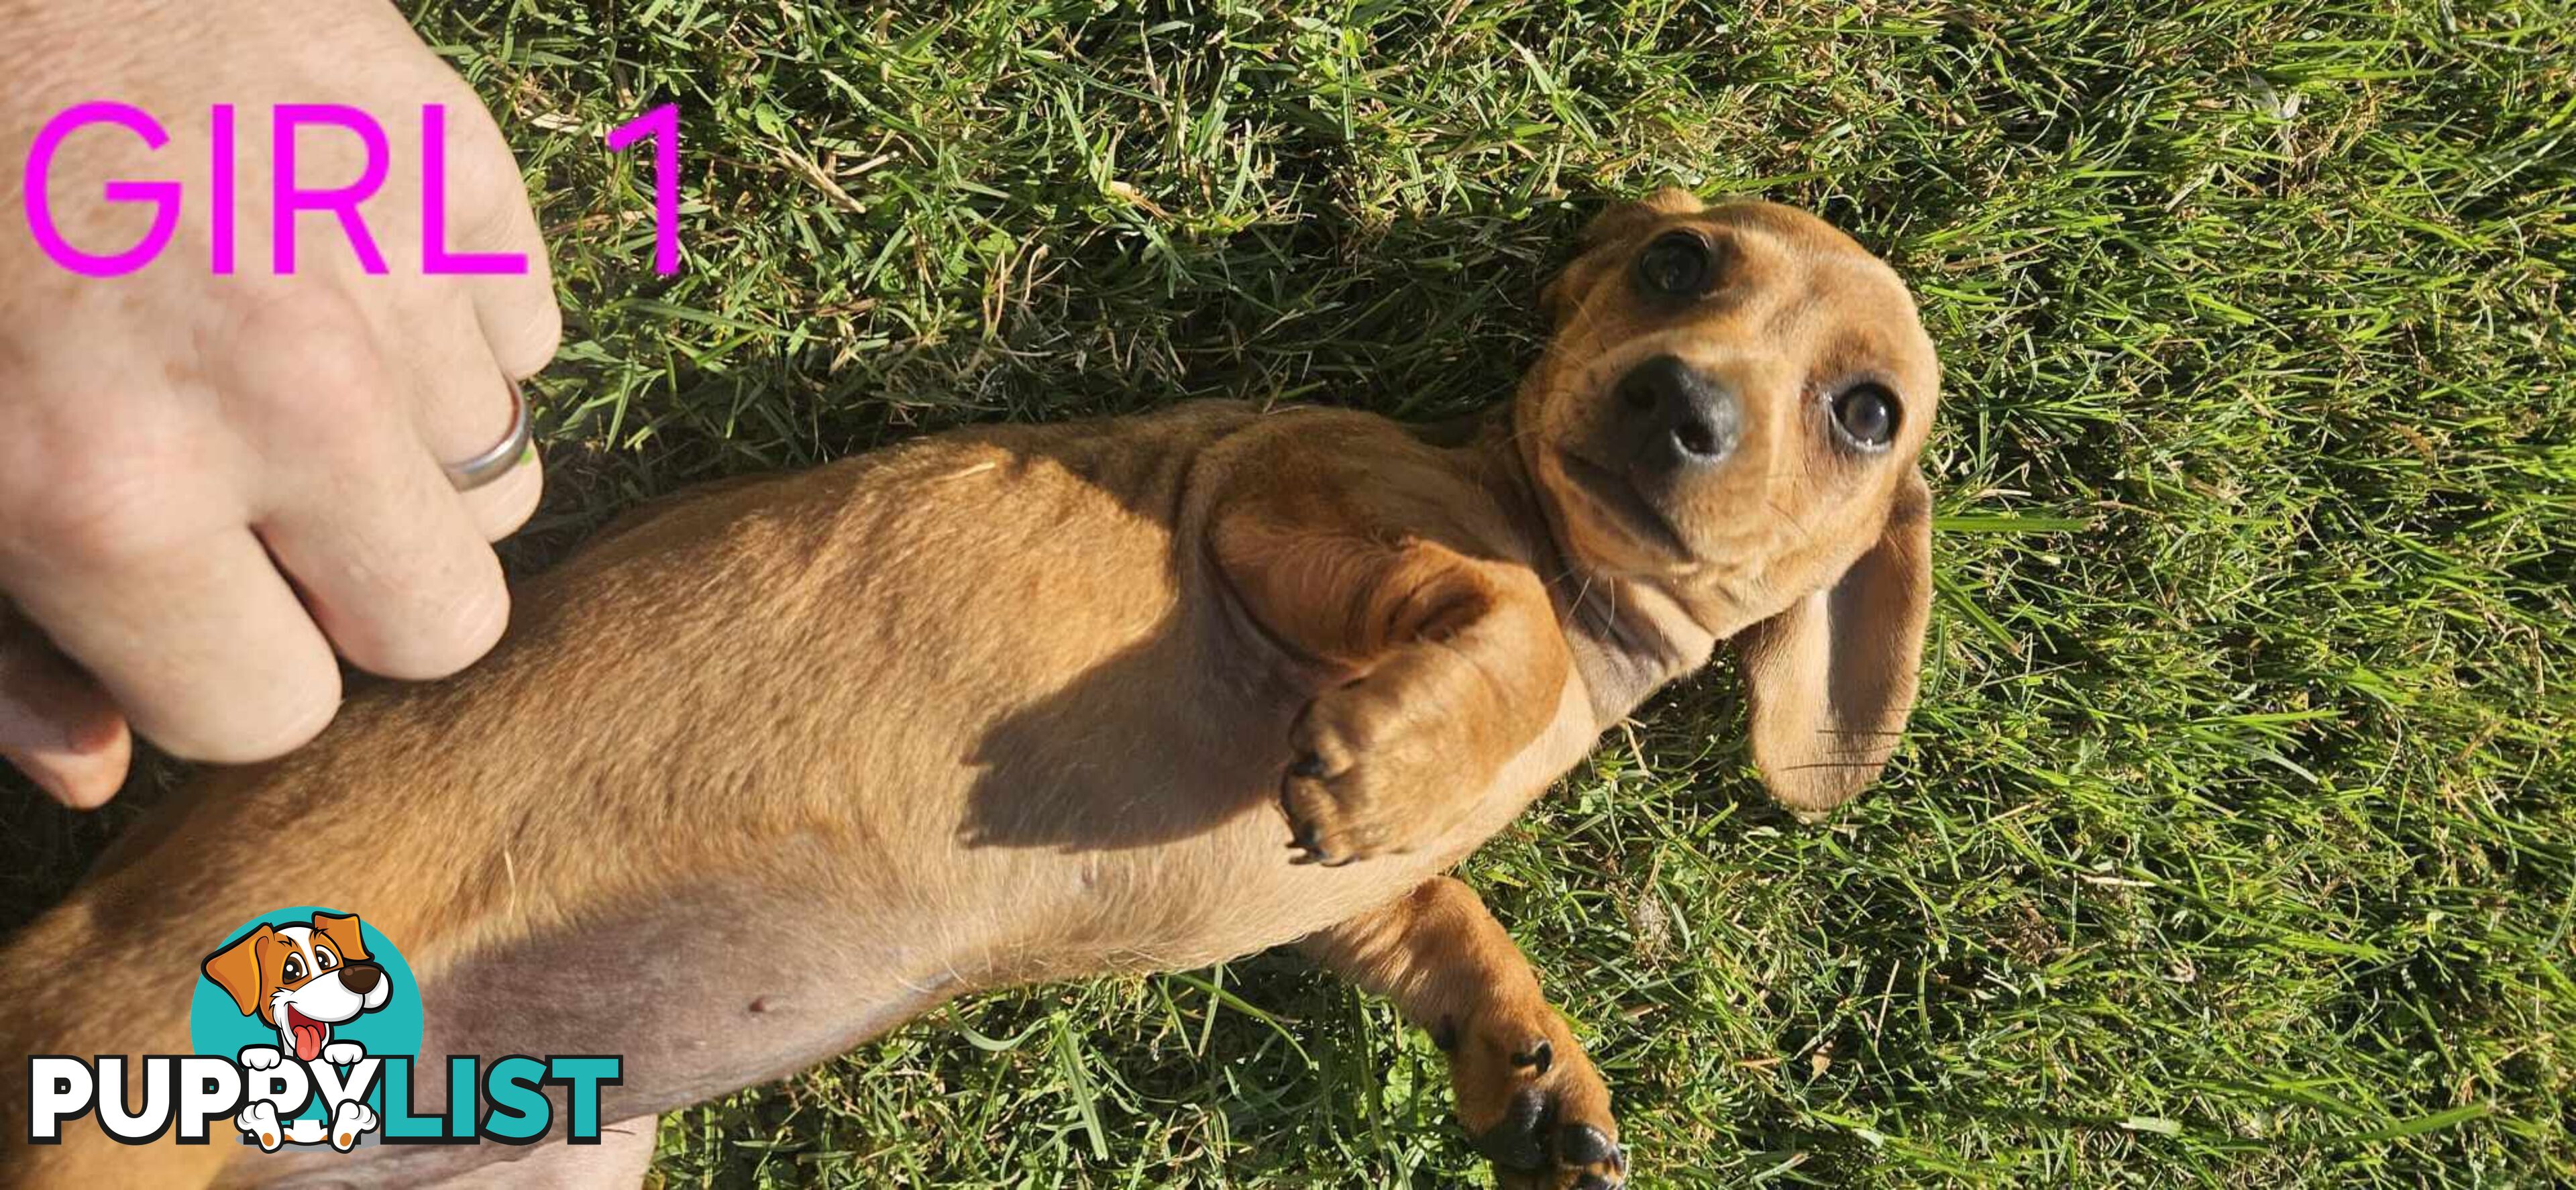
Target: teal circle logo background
(216,1026)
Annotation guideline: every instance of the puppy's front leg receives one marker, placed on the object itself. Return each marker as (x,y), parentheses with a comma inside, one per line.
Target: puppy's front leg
(1525,1089)
(1442,667)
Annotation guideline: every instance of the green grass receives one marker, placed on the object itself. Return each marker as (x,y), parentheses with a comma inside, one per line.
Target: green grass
(2235,841)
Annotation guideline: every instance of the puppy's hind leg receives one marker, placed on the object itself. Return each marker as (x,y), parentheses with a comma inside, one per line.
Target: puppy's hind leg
(1526,1090)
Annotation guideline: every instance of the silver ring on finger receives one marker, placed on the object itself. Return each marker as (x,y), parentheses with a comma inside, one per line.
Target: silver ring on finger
(514,448)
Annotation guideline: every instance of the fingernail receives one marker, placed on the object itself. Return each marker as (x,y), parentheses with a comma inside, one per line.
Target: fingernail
(44,777)
(82,780)
(97,792)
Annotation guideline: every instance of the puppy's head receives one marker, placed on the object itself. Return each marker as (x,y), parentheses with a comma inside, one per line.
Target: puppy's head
(1730,412)
(302,978)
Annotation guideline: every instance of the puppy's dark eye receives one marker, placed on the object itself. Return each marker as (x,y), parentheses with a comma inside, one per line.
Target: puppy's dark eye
(1676,264)
(294,970)
(1866,413)
(322,960)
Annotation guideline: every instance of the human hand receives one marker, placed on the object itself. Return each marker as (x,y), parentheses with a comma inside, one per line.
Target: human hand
(210,483)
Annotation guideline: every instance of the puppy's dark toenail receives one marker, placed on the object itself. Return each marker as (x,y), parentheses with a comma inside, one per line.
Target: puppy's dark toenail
(1307,764)
(1519,1140)
(1582,1144)
(1535,1059)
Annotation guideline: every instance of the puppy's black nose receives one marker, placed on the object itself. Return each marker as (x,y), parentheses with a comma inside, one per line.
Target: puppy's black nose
(1676,415)
(361,977)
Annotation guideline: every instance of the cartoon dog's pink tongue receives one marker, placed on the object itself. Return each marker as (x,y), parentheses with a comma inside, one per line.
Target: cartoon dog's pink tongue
(309,1034)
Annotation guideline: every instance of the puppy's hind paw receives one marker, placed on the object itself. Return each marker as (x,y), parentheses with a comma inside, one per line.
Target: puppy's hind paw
(1532,1150)
(1536,1106)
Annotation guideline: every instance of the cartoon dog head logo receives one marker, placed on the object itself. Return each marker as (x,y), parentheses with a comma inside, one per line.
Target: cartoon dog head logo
(301,979)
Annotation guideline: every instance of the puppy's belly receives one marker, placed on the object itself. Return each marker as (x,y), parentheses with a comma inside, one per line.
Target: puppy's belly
(715,987)
(742,978)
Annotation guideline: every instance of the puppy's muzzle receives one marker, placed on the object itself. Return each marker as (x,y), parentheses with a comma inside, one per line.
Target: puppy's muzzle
(1673,417)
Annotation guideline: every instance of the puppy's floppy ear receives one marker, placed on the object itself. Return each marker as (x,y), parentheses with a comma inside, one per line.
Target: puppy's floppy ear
(235,969)
(1832,678)
(341,930)
(1612,226)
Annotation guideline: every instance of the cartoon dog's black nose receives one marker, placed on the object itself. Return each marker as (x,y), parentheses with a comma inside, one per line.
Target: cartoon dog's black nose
(1674,415)
(361,977)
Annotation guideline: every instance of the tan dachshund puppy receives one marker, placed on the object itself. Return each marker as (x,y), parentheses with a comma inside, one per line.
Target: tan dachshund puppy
(779,765)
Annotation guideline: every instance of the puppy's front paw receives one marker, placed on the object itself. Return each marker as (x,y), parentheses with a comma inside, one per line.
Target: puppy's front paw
(1536,1107)
(343,1053)
(259,1123)
(1362,780)
(260,1057)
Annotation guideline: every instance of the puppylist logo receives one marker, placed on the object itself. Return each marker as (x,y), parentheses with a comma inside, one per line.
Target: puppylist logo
(307,1028)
